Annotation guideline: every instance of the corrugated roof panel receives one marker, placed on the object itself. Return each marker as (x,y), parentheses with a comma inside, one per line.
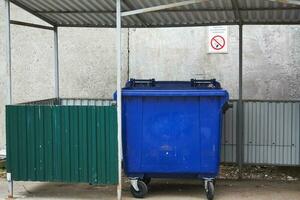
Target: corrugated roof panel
(35,6)
(85,19)
(211,4)
(270,16)
(146,3)
(102,12)
(69,5)
(187,18)
(259,4)
(132,21)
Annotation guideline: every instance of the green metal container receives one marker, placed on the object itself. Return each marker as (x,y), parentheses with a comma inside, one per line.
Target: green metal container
(53,143)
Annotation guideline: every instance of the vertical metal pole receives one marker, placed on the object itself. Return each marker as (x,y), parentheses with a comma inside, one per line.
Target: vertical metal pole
(8,48)
(8,67)
(56,64)
(10,186)
(128,54)
(240,114)
(119,96)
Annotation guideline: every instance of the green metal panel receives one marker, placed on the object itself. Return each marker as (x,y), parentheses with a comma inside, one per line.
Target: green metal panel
(62,143)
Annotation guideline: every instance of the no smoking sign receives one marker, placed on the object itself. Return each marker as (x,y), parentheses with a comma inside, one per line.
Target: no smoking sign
(217,39)
(217,42)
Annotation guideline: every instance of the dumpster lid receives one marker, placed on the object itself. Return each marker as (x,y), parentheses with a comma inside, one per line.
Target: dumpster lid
(152,84)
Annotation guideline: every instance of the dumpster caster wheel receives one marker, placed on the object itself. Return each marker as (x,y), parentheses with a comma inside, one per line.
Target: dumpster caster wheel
(143,190)
(210,190)
(146,180)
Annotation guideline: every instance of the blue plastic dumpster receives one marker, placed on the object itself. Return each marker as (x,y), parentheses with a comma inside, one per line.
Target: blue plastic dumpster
(172,129)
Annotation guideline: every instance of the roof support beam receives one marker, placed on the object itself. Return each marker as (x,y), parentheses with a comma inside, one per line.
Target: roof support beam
(31,25)
(161,7)
(184,25)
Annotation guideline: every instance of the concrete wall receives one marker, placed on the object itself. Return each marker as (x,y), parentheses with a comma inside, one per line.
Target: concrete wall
(271,59)
(87,61)
(181,54)
(3,75)
(272,62)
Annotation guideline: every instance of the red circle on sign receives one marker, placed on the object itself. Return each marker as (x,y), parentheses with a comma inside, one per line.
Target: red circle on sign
(218,44)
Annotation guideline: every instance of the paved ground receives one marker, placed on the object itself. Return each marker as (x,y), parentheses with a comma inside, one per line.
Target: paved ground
(161,190)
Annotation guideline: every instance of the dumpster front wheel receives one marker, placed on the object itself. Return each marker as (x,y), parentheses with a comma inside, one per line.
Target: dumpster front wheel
(209,190)
(143,190)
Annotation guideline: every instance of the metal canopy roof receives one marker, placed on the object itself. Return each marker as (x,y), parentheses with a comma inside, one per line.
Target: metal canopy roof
(101,13)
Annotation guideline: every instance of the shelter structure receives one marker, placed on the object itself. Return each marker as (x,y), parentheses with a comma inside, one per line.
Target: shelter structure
(151,14)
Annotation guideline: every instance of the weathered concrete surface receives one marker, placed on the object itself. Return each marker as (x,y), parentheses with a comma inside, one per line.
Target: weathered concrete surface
(32,61)
(160,190)
(87,61)
(271,59)
(181,54)
(4,98)
(271,62)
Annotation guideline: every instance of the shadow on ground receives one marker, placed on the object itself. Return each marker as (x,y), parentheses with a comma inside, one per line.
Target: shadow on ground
(160,189)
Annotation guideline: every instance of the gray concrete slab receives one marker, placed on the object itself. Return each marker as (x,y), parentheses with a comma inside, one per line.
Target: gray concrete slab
(160,189)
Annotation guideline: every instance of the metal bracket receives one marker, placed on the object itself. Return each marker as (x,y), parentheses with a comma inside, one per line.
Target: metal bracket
(134,183)
(206,180)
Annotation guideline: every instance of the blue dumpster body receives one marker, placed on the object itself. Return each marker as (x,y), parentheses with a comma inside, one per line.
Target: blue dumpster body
(172,129)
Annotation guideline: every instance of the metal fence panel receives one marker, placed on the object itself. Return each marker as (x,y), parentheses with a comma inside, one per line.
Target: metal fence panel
(271,133)
(271,136)
(62,143)
(228,149)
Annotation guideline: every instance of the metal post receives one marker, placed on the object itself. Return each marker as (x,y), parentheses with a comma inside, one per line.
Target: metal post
(8,67)
(8,48)
(119,97)
(10,186)
(240,114)
(56,63)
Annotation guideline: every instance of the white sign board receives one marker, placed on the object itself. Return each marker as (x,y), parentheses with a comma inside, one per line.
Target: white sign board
(217,39)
